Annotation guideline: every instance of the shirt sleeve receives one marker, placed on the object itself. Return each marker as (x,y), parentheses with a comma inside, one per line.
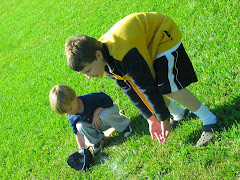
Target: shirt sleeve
(73,119)
(134,98)
(136,67)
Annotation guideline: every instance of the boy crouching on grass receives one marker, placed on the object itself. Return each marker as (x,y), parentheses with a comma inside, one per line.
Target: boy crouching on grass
(89,115)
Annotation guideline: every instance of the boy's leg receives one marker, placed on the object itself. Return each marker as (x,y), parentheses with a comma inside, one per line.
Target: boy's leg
(174,72)
(111,118)
(175,110)
(210,121)
(187,99)
(93,135)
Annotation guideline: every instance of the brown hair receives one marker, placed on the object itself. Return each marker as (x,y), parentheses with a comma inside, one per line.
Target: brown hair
(81,50)
(60,96)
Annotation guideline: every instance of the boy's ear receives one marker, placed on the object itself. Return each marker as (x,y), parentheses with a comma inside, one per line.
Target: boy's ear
(99,54)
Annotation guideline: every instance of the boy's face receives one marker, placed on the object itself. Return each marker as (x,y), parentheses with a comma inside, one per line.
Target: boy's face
(95,69)
(73,108)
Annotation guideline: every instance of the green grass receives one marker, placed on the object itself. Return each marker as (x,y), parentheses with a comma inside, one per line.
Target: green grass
(35,142)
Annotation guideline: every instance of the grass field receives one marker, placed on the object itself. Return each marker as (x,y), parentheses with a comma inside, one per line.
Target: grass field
(35,142)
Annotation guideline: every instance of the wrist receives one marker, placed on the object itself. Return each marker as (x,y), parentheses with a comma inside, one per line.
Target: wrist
(98,110)
(165,122)
(152,118)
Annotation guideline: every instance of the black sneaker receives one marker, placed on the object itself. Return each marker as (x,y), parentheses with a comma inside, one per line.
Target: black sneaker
(127,131)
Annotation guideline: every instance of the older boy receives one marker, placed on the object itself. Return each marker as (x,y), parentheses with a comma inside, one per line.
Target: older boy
(89,115)
(144,54)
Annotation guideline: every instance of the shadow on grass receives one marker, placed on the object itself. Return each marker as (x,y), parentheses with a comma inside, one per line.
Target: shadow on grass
(230,113)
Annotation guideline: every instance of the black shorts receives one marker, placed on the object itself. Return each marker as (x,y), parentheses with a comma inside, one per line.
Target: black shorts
(174,70)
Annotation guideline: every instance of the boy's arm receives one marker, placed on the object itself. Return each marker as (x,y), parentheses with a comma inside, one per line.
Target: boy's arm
(134,98)
(137,68)
(96,119)
(102,101)
(157,129)
(80,140)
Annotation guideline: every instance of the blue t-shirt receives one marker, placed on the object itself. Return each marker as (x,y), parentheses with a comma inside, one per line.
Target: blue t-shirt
(91,102)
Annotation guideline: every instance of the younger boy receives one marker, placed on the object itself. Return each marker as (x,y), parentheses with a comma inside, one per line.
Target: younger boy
(89,115)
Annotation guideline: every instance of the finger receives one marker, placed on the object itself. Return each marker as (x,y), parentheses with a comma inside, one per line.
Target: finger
(152,135)
(99,122)
(164,140)
(158,138)
(94,124)
(167,133)
(163,133)
(162,137)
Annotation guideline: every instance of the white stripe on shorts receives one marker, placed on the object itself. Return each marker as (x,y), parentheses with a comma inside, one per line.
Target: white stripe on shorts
(171,76)
(170,59)
(171,65)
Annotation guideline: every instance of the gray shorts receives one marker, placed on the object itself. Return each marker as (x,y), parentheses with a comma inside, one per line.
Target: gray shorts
(174,70)
(110,117)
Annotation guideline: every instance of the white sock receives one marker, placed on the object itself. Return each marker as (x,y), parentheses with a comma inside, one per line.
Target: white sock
(176,111)
(205,115)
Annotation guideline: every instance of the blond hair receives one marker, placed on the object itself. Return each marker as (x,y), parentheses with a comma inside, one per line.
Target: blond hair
(81,50)
(60,96)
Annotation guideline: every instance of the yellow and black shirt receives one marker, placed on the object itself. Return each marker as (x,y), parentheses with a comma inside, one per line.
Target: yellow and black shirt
(130,48)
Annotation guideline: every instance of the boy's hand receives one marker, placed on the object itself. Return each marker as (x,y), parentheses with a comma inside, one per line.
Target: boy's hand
(96,120)
(159,129)
(166,129)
